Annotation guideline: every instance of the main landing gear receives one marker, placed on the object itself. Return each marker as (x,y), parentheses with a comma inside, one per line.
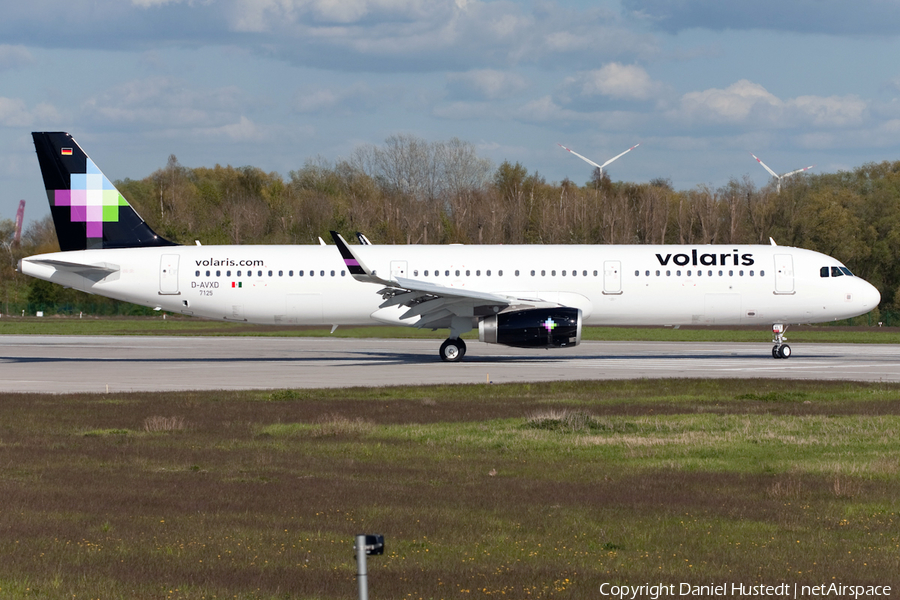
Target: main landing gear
(780,349)
(453,349)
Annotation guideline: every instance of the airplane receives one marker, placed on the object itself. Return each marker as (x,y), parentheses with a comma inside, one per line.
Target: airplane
(780,178)
(527,296)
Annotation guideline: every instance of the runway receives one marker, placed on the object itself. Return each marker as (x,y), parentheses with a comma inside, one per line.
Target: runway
(61,364)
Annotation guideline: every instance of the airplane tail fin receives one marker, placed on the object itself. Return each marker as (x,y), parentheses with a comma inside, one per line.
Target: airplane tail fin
(88,211)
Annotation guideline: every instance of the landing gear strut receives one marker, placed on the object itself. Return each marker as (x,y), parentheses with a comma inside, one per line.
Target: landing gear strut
(780,349)
(453,349)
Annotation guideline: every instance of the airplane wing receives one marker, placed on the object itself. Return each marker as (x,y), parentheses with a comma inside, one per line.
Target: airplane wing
(434,304)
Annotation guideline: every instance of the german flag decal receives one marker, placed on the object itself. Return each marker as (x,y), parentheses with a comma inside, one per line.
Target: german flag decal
(65,151)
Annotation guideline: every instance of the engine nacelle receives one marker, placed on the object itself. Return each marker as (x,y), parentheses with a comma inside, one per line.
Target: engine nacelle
(533,328)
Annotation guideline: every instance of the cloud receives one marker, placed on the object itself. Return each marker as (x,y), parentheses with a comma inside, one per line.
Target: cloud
(16,113)
(342,100)
(487,84)
(616,81)
(164,102)
(244,130)
(836,17)
(12,57)
(345,35)
(747,103)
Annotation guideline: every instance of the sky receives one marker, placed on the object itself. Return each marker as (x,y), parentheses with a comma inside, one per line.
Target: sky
(700,84)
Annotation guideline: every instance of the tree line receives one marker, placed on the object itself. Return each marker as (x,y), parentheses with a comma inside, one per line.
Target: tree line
(412,191)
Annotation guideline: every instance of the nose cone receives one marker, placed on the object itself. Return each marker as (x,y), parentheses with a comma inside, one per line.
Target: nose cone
(869,296)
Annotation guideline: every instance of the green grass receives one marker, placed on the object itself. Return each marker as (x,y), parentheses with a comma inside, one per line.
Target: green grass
(529,490)
(175,325)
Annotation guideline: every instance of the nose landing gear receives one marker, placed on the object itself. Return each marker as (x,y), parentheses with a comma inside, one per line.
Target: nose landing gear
(780,349)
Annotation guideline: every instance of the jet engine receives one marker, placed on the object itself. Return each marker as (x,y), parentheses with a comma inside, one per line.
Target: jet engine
(533,328)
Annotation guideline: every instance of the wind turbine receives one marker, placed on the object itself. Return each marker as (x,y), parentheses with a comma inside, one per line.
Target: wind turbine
(778,177)
(590,162)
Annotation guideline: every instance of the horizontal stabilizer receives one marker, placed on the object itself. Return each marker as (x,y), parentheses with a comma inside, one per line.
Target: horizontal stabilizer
(94,272)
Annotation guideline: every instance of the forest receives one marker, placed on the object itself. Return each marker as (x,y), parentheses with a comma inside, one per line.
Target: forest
(412,191)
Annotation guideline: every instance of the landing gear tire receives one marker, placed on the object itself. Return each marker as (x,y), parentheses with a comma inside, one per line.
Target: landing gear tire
(453,350)
(780,349)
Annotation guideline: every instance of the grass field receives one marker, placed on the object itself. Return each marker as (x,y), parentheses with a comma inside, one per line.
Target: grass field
(189,326)
(515,491)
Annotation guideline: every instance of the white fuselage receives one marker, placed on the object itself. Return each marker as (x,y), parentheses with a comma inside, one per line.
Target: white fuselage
(612,285)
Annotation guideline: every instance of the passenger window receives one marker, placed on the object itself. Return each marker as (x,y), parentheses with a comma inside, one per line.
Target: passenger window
(751,273)
(227,273)
(532,273)
(457,272)
(207,273)
(543,273)
(259,273)
(312,273)
(218,273)
(343,273)
(488,272)
(731,273)
(290,273)
(648,273)
(584,273)
(500,273)
(741,273)
(553,273)
(563,273)
(198,274)
(270,273)
(657,273)
(689,273)
(299,273)
(823,272)
(426,273)
(637,273)
(468,272)
(668,273)
(446,273)
(835,272)
(332,273)
(281,273)
(595,273)
(762,273)
(415,273)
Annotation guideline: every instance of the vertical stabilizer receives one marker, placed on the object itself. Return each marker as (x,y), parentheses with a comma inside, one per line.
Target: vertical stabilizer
(88,211)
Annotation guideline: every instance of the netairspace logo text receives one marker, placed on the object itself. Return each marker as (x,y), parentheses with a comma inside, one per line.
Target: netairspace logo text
(737,590)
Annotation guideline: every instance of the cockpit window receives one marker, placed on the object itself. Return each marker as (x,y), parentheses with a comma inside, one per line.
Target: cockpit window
(846,271)
(823,272)
(836,272)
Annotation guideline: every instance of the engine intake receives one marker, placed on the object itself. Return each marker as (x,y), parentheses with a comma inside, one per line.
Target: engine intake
(533,328)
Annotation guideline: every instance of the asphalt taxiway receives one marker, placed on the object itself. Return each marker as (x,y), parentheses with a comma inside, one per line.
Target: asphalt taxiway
(60,364)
